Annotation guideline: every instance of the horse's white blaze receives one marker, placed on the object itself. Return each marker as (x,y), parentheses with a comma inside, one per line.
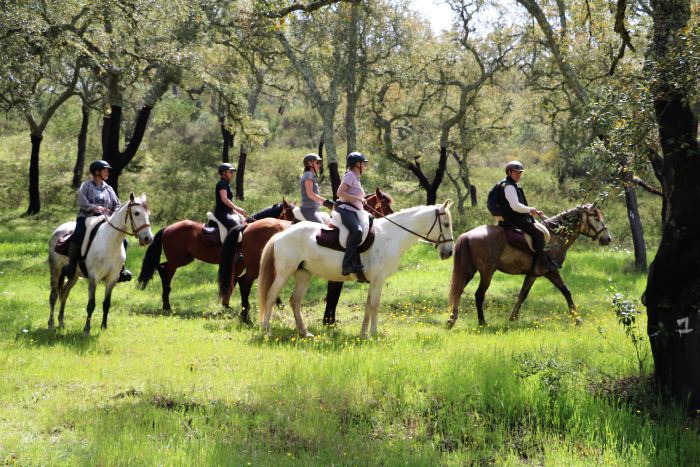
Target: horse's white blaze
(296,248)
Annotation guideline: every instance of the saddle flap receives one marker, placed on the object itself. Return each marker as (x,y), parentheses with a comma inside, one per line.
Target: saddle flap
(522,241)
(63,243)
(329,238)
(337,222)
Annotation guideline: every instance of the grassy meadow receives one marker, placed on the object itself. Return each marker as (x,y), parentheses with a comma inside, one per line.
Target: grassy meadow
(195,387)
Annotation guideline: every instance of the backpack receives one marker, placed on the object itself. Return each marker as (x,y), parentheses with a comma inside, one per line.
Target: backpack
(493,200)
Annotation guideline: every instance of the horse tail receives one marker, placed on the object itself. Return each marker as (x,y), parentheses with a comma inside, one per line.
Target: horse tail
(229,249)
(460,268)
(151,260)
(266,276)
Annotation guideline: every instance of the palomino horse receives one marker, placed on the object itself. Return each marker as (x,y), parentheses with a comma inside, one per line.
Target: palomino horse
(185,241)
(484,249)
(294,252)
(254,239)
(105,256)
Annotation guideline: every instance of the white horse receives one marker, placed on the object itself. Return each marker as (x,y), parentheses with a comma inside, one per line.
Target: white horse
(104,258)
(295,252)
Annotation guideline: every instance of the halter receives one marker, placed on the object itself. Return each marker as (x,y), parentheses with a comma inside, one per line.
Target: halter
(130,218)
(441,238)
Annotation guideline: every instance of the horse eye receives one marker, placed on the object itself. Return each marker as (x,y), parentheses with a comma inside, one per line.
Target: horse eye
(137,214)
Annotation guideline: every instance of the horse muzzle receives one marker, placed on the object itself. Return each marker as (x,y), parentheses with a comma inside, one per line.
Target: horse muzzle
(145,240)
(605,239)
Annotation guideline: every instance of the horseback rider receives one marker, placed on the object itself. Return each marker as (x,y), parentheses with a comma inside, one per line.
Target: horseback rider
(517,213)
(310,199)
(95,198)
(350,202)
(224,207)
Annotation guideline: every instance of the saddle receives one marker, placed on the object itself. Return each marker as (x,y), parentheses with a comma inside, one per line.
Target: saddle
(520,240)
(336,238)
(215,232)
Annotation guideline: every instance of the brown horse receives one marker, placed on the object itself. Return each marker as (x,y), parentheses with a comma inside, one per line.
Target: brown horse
(254,239)
(185,241)
(485,249)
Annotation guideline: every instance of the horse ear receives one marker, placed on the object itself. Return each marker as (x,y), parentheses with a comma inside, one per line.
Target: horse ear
(447,204)
(131,197)
(594,205)
(378,192)
(143,197)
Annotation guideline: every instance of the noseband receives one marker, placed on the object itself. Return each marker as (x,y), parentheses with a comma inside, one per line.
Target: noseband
(130,218)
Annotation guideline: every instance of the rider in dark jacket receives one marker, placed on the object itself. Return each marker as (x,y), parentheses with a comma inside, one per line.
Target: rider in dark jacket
(516,212)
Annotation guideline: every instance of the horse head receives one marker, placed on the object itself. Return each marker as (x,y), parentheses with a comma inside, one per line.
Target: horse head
(444,240)
(592,224)
(379,203)
(136,219)
(287,212)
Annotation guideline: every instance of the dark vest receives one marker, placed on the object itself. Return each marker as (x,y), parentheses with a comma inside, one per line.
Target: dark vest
(508,214)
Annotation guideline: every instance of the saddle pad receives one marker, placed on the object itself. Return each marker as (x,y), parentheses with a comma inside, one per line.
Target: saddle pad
(522,241)
(329,238)
(337,222)
(223,231)
(299,216)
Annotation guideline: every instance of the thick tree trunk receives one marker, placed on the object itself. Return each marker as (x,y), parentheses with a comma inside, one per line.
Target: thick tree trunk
(472,195)
(34,199)
(110,141)
(240,173)
(431,188)
(672,296)
(82,145)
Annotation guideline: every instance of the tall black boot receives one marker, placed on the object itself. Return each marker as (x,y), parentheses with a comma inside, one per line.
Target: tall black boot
(351,260)
(124,275)
(73,257)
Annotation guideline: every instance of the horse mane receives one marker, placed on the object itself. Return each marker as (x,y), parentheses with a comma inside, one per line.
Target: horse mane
(271,211)
(568,218)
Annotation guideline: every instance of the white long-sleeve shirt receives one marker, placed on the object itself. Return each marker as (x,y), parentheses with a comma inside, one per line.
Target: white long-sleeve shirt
(512,198)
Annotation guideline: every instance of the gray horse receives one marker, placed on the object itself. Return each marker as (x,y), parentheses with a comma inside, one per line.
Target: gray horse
(485,249)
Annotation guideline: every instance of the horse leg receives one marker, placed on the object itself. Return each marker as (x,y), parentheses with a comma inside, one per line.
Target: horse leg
(273,292)
(556,279)
(166,273)
(524,291)
(480,294)
(246,284)
(374,298)
(55,291)
(468,276)
(302,281)
(106,304)
(63,297)
(332,296)
(90,306)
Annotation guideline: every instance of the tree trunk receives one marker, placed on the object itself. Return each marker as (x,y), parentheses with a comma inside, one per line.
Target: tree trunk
(82,145)
(430,188)
(34,199)
(640,249)
(110,141)
(240,173)
(228,141)
(472,195)
(672,296)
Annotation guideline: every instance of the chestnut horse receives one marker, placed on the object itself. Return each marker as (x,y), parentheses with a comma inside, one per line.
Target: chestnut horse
(254,239)
(184,241)
(484,249)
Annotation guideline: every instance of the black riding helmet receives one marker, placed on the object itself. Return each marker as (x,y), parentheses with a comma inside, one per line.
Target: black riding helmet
(355,158)
(98,165)
(226,166)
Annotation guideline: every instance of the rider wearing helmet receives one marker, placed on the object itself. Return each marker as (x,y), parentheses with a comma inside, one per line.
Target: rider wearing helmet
(224,207)
(516,212)
(95,197)
(350,202)
(310,199)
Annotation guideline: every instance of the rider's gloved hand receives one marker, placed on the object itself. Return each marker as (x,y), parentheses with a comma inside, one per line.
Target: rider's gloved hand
(328,203)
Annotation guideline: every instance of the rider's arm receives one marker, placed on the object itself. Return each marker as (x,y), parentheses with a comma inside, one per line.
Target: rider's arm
(344,196)
(309,187)
(229,203)
(512,198)
(84,199)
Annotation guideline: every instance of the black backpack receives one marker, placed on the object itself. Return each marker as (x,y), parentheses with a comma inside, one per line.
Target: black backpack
(493,200)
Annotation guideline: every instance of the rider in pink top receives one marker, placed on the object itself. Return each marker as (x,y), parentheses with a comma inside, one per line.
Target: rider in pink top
(350,200)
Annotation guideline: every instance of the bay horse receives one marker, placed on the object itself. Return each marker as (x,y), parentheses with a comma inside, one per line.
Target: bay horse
(184,241)
(295,252)
(255,237)
(104,259)
(485,249)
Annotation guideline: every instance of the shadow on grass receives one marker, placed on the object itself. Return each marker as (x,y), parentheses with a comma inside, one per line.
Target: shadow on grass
(72,339)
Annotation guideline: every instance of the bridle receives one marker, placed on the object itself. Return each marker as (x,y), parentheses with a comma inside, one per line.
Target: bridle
(592,227)
(377,209)
(129,219)
(441,237)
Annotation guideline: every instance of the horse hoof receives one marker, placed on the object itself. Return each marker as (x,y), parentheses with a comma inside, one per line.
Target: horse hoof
(578,321)
(450,324)
(86,333)
(306,335)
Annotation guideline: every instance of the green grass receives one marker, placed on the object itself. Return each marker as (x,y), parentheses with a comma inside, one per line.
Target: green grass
(195,387)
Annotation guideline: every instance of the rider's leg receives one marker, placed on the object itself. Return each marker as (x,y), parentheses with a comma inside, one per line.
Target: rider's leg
(125,275)
(76,242)
(351,260)
(546,263)
(229,221)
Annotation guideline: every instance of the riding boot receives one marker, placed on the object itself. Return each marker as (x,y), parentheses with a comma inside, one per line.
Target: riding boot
(73,257)
(124,275)
(544,262)
(351,260)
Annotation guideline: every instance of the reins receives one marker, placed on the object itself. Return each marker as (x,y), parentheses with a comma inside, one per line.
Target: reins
(441,238)
(129,217)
